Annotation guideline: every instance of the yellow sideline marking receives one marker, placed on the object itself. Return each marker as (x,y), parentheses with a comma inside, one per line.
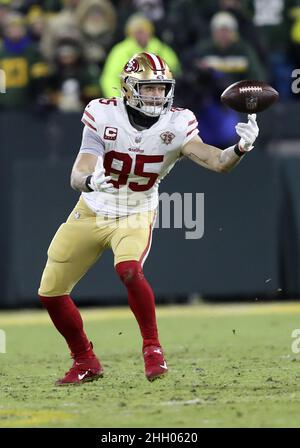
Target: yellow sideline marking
(15,418)
(36,317)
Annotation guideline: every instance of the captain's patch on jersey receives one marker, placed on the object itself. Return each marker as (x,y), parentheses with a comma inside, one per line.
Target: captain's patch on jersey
(110,133)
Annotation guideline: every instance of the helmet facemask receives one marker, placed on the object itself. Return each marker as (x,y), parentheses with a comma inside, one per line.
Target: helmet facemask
(152,106)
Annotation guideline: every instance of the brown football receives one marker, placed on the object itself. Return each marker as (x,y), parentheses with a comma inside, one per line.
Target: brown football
(249,96)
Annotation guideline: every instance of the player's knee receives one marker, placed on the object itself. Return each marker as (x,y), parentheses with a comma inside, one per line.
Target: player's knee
(129,271)
(51,287)
(52,282)
(51,292)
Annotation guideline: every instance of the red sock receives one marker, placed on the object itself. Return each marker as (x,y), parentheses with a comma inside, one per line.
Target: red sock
(141,299)
(67,319)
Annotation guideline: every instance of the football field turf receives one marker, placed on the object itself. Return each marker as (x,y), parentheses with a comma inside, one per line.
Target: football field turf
(229,366)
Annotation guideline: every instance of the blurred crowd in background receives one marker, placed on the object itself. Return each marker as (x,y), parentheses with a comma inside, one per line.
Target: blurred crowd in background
(60,54)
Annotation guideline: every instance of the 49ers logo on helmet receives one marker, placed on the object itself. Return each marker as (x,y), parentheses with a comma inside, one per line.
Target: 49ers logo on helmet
(131,66)
(110,133)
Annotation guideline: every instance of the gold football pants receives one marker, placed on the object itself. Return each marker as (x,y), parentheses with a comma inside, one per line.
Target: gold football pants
(81,240)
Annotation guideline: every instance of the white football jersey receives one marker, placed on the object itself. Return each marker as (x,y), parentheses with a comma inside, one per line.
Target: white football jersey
(136,160)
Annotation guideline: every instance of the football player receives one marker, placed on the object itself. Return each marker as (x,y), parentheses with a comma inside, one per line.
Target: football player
(129,144)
